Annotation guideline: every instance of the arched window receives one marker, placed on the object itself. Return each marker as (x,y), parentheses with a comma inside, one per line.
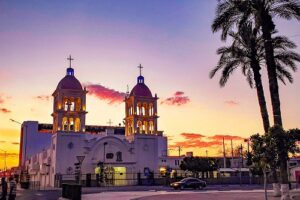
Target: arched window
(145,111)
(71,122)
(72,104)
(151,109)
(65,124)
(78,104)
(140,126)
(151,127)
(119,156)
(139,109)
(66,102)
(77,125)
(145,127)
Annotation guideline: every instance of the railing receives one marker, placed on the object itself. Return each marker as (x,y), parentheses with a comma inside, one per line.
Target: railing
(127,179)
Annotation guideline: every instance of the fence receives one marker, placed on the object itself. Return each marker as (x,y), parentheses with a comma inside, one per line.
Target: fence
(127,179)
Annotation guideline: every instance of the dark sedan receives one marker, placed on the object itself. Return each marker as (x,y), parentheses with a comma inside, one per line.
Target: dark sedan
(189,183)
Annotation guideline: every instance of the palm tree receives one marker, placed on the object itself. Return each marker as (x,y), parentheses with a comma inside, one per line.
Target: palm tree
(232,14)
(264,11)
(246,52)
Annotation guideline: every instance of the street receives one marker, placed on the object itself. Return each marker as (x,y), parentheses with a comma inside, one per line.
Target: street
(223,192)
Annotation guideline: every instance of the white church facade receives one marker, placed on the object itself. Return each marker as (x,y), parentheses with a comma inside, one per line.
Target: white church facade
(50,152)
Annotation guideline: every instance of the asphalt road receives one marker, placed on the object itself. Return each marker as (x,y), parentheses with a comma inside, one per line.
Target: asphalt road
(132,192)
(211,196)
(38,195)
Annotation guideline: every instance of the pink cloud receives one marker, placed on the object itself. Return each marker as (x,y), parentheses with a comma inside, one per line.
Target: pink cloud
(196,140)
(104,93)
(3,98)
(226,137)
(177,99)
(196,144)
(43,97)
(4,110)
(15,143)
(192,135)
(231,103)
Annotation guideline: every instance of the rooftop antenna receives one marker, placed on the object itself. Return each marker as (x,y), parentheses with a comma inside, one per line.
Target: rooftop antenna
(127,92)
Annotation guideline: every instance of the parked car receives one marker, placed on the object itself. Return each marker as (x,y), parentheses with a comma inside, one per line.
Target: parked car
(194,183)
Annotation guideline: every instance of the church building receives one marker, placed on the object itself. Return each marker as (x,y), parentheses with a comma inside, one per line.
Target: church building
(52,152)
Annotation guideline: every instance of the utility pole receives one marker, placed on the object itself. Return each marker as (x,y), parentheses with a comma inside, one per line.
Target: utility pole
(242,159)
(231,154)
(179,150)
(224,154)
(5,167)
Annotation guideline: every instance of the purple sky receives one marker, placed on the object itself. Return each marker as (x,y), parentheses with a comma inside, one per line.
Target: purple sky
(109,39)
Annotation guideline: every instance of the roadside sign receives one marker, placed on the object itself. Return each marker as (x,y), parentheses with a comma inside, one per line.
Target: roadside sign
(80,158)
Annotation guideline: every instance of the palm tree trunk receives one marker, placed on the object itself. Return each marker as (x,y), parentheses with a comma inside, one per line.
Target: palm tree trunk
(285,194)
(265,116)
(265,184)
(271,68)
(261,99)
(258,83)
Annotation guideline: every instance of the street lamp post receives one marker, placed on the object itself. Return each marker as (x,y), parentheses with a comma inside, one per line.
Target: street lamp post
(5,167)
(105,143)
(25,150)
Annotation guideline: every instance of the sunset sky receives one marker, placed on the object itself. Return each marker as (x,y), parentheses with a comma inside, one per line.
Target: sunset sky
(109,39)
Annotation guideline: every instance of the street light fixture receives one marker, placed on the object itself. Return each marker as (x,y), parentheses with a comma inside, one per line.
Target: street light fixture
(25,150)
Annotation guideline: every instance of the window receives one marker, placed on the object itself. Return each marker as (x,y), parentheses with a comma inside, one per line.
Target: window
(119,156)
(109,156)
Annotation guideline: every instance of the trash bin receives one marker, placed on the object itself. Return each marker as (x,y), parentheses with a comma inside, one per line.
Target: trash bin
(71,191)
(88,180)
(24,185)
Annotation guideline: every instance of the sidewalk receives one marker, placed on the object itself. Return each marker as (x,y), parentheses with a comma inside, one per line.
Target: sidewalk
(89,190)
(178,195)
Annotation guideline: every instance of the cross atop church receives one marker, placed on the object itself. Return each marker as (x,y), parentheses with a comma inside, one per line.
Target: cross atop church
(70,60)
(109,122)
(140,67)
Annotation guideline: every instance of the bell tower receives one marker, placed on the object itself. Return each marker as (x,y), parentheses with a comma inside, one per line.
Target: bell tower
(140,109)
(69,106)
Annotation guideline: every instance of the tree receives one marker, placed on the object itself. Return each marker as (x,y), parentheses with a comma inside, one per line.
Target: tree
(284,143)
(246,52)
(232,14)
(198,164)
(260,157)
(272,148)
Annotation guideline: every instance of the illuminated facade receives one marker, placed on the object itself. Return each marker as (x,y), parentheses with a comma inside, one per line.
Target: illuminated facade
(123,151)
(141,110)
(69,106)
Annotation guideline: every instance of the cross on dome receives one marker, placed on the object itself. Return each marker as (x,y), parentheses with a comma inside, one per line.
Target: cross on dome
(140,67)
(70,60)
(109,122)
(70,70)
